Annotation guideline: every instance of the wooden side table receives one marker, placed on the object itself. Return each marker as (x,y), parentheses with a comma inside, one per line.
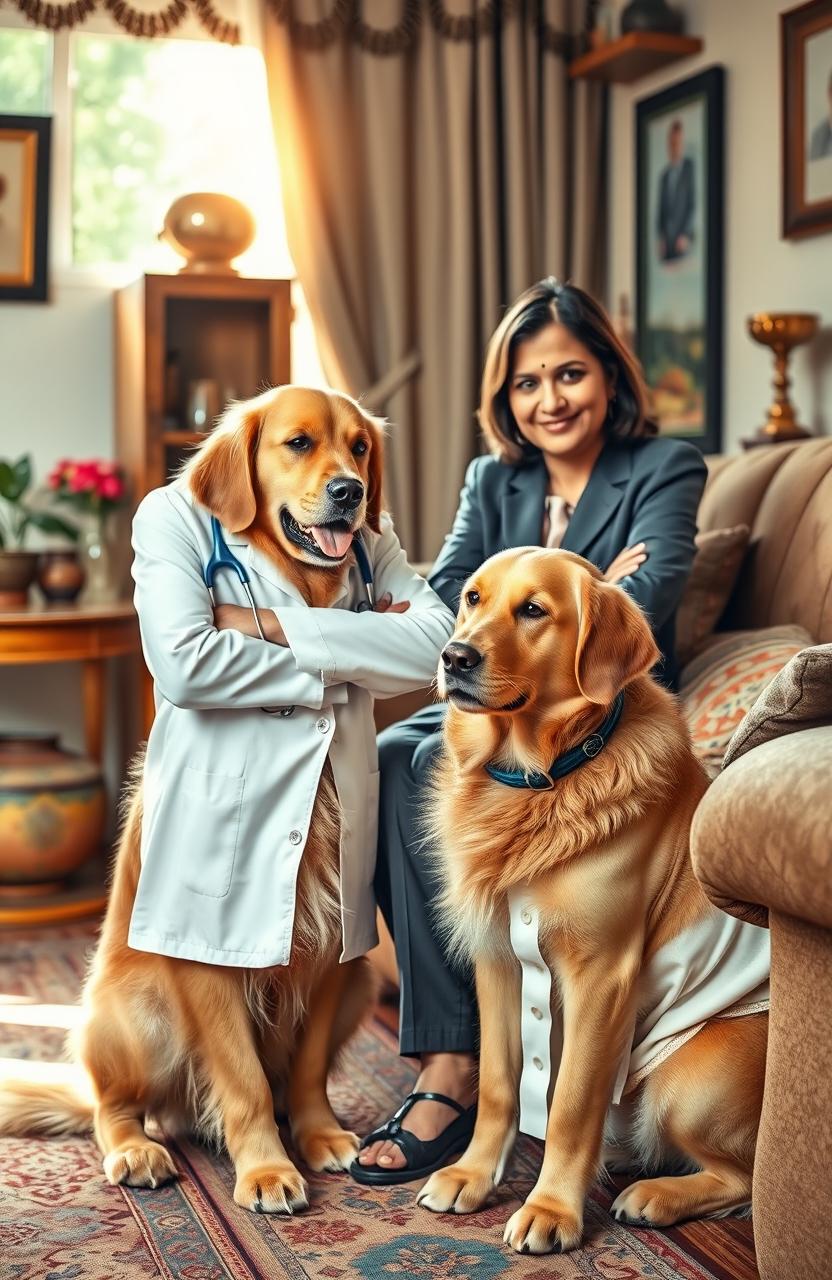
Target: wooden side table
(89,634)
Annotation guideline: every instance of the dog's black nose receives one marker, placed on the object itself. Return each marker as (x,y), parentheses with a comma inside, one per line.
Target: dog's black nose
(346,491)
(460,657)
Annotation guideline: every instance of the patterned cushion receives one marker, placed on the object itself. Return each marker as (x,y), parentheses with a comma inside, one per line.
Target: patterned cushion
(725,679)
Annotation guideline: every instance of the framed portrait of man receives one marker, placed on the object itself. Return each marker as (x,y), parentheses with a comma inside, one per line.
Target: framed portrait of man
(24,207)
(806,85)
(679,255)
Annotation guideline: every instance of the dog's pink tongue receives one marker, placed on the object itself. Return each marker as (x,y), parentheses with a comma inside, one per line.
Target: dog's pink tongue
(333,542)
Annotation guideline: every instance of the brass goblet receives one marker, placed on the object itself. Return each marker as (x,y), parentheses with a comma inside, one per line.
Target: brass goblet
(782,331)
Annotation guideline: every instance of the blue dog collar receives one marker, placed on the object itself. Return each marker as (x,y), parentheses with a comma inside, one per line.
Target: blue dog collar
(567,763)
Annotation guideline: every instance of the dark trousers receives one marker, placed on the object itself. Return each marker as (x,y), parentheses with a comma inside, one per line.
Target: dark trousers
(438,1010)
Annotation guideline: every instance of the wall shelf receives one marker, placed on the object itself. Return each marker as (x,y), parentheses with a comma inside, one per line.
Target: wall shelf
(633,56)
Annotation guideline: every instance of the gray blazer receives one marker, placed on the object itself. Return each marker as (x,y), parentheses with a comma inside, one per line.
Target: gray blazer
(639,491)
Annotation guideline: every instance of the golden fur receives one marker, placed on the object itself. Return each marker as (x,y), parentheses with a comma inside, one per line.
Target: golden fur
(605,854)
(202,1047)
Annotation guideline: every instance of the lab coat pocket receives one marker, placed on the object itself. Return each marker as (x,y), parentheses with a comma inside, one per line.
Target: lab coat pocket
(212,804)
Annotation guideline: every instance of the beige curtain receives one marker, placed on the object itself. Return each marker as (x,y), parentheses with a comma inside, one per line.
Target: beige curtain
(423,190)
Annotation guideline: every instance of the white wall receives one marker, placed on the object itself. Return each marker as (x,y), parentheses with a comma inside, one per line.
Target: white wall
(56,374)
(762,272)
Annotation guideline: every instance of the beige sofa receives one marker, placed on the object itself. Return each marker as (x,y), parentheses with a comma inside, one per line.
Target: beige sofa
(763,838)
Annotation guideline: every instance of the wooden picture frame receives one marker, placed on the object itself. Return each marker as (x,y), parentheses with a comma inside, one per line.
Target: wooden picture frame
(680,215)
(24,207)
(806,89)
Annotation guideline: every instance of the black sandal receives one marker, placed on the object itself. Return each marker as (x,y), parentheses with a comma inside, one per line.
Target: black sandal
(422,1157)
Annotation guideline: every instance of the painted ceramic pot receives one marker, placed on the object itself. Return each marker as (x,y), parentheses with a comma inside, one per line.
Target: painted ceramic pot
(52,811)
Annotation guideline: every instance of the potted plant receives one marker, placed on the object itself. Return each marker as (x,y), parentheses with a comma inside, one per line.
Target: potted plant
(96,488)
(17,516)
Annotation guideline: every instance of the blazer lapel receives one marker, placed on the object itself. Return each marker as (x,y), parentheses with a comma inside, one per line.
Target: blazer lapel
(522,507)
(599,500)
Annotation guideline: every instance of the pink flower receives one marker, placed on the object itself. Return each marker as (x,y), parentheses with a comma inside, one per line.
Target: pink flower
(82,478)
(111,487)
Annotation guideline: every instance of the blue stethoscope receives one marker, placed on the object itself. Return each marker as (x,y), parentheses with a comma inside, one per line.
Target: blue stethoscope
(222,558)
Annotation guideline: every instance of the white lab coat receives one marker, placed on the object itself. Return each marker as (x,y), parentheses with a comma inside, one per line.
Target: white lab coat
(242,731)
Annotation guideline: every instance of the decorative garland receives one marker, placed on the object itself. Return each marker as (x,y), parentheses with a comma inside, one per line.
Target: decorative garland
(58,17)
(343,19)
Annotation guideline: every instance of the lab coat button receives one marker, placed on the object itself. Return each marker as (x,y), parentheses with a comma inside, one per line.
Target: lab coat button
(538,1062)
(526,916)
(295,837)
(536,1013)
(323,725)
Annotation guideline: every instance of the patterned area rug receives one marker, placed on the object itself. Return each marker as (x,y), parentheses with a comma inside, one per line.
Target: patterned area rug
(59,1220)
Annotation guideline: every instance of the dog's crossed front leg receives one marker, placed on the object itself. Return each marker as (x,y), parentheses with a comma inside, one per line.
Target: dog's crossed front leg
(598,1008)
(465,1186)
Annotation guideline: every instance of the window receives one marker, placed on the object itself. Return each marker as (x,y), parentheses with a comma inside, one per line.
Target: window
(154,119)
(138,123)
(25,73)
(150,120)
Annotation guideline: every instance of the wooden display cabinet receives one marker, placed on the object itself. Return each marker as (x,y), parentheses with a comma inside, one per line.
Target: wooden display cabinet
(173,331)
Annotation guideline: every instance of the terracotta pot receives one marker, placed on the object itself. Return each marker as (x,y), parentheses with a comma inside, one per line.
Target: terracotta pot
(17,573)
(60,576)
(52,811)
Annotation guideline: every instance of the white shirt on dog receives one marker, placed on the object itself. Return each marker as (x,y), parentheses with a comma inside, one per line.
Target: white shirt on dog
(718,967)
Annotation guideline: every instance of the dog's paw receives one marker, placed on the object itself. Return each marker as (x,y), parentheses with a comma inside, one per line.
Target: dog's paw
(327,1150)
(147,1164)
(543,1225)
(456,1189)
(272,1188)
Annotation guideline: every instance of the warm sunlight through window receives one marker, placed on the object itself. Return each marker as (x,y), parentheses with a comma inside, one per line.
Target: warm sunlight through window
(156,119)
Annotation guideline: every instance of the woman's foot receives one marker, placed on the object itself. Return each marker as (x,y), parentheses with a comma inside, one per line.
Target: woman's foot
(453,1074)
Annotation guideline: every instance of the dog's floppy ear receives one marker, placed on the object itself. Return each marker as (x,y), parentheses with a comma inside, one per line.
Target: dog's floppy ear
(615,643)
(375,472)
(221,475)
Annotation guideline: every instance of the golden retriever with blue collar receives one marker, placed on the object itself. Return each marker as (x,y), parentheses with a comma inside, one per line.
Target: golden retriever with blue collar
(585,885)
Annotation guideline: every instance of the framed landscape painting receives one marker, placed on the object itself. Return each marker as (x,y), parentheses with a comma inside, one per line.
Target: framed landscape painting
(806,87)
(679,255)
(24,207)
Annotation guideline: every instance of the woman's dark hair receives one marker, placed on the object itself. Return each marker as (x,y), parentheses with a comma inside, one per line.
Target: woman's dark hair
(545,303)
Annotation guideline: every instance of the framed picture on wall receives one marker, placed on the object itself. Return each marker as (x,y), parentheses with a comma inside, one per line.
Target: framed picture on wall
(679,255)
(24,207)
(806,88)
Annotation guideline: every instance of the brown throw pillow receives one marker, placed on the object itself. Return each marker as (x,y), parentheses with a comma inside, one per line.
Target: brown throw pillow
(800,697)
(719,554)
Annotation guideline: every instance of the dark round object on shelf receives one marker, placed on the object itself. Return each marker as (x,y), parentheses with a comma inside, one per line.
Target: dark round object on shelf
(651,15)
(60,575)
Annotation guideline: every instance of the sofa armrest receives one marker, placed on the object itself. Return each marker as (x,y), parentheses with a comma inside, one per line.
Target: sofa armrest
(762,834)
